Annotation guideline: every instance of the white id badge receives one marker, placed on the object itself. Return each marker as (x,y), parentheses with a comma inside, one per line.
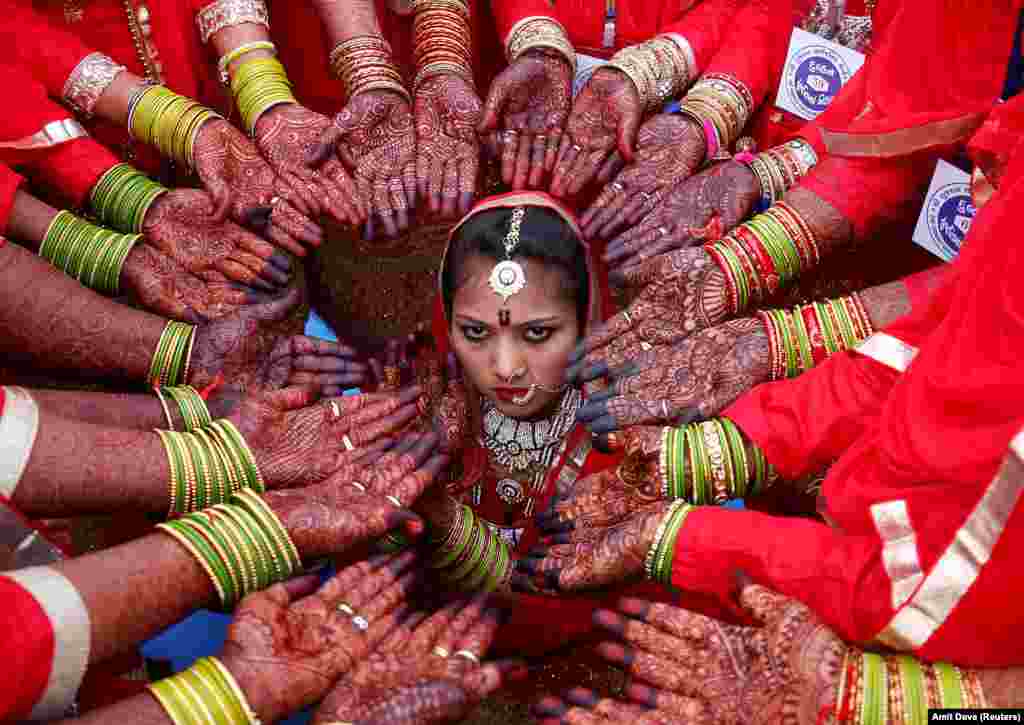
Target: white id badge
(816,69)
(947,214)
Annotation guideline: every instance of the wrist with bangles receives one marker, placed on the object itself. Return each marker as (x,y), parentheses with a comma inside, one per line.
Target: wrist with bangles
(779,169)
(660,68)
(659,558)
(123,196)
(364,63)
(442,42)
(91,254)
(471,555)
(257,85)
(539,32)
(160,117)
(206,692)
(875,688)
(763,254)
(711,463)
(721,105)
(805,336)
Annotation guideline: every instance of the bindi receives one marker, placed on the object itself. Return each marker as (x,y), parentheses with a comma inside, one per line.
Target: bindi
(504,318)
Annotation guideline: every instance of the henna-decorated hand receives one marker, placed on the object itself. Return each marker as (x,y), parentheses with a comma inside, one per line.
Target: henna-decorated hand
(530,103)
(580,559)
(181,224)
(692,380)
(669,149)
(679,293)
(609,497)
(408,681)
(165,287)
(697,670)
(446,403)
(243,184)
(375,137)
(447,112)
(297,443)
(286,135)
(286,650)
(605,117)
(702,209)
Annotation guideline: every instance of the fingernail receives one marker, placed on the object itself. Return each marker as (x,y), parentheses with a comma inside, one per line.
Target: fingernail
(616,277)
(615,653)
(281,261)
(582,697)
(610,621)
(602,443)
(642,694)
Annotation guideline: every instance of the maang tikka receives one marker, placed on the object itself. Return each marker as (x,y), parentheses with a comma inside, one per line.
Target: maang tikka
(509,278)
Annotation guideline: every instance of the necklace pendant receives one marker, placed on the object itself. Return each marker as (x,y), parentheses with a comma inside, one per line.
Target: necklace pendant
(510,491)
(507,278)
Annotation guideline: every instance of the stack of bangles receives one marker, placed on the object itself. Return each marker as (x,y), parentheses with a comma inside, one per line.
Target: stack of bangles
(660,68)
(803,337)
(190,404)
(658,562)
(722,105)
(122,197)
(779,169)
(170,362)
(242,546)
(472,555)
(900,689)
(539,32)
(761,255)
(258,85)
(208,465)
(242,50)
(364,63)
(711,463)
(204,693)
(91,254)
(160,117)
(441,40)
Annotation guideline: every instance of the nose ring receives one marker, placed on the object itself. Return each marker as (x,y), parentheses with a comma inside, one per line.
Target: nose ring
(515,374)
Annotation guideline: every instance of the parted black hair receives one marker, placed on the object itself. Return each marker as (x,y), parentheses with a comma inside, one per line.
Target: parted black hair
(543,236)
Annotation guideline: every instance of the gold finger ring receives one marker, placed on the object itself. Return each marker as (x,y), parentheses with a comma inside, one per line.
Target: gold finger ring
(347,442)
(576,147)
(628,317)
(616,187)
(360,623)
(274,200)
(664,410)
(466,654)
(358,486)
(646,346)
(335,409)
(346,608)
(441,652)
(662,231)
(394,500)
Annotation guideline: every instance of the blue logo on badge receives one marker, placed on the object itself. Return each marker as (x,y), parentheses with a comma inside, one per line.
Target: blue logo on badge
(814,77)
(950,212)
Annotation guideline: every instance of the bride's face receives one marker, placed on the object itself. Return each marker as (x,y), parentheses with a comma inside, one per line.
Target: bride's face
(504,348)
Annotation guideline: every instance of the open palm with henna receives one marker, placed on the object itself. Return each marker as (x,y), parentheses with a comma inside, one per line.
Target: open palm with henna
(375,137)
(427,671)
(604,117)
(702,209)
(525,113)
(673,385)
(447,111)
(689,668)
(669,149)
(287,646)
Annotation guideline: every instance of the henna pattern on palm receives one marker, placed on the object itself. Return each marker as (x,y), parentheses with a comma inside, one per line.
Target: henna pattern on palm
(407,660)
(286,136)
(669,149)
(165,287)
(447,111)
(180,224)
(243,184)
(530,104)
(784,670)
(701,209)
(591,557)
(375,137)
(297,443)
(680,293)
(674,385)
(285,652)
(604,117)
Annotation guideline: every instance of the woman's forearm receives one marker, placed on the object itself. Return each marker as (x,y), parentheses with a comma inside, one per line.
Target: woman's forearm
(235,36)
(50,320)
(139,710)
(135,590)
(114,102)
(1003,688)
(29,219)
(76,468)
(136,411)
(830,228)
(344,19)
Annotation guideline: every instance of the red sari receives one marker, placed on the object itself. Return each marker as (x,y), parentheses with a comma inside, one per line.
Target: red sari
(926,421)
(538,624)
